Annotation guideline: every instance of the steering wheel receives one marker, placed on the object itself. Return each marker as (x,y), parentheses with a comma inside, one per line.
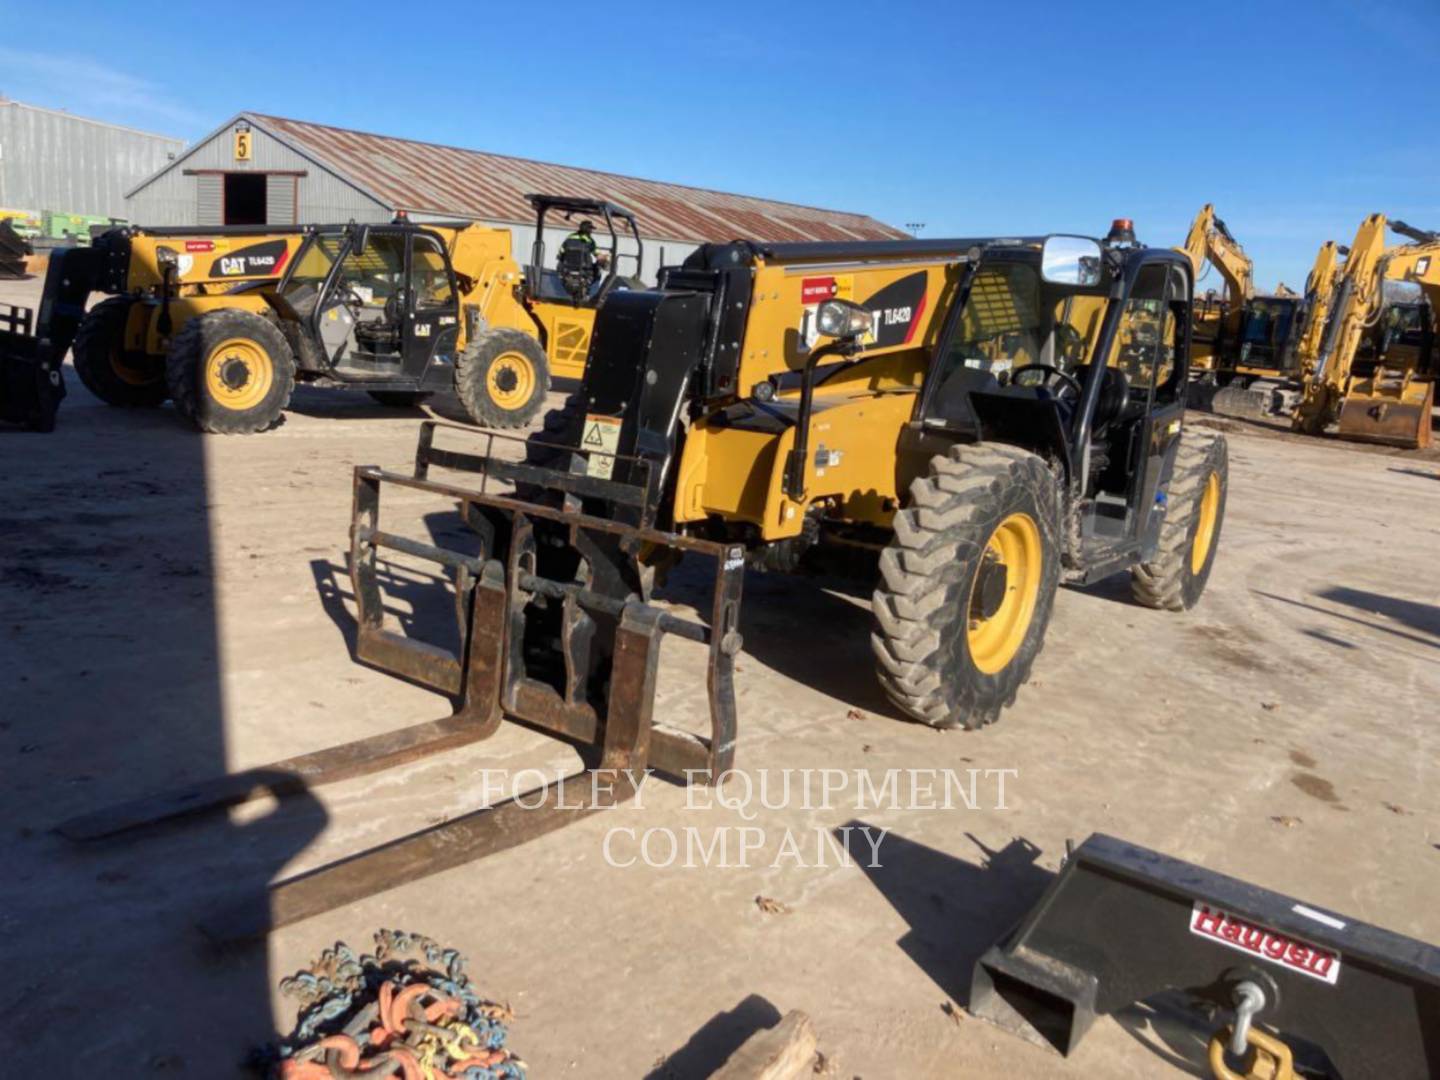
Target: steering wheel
(1051,372)
(348,296)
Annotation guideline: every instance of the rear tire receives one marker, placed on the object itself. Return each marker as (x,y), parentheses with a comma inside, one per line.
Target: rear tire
(398,399)
(116,375)
(955,637)
(230,372)
(1190,535)
(502,378)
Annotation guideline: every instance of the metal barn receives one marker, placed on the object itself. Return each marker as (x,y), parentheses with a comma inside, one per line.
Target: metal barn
(257,169)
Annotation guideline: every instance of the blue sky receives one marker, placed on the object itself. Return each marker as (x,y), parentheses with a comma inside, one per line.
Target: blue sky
(1296,120)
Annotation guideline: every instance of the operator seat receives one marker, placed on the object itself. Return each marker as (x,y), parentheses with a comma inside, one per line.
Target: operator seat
(382,336)
(578,267)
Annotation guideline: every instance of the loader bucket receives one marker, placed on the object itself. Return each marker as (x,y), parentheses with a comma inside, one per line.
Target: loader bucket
(1391,408)
(554,633)
(1121,923)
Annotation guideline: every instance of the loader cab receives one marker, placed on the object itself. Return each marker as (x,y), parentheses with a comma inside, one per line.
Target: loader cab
(1079,351)
(377,301)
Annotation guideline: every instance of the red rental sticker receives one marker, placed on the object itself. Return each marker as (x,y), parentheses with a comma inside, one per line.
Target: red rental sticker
(816,290)
(199,245)
(1247,937)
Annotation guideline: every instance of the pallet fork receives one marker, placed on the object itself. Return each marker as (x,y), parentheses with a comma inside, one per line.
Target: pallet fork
(598,694)
(1121,923)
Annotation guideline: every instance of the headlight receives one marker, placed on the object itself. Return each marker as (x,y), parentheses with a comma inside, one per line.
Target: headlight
(842,319)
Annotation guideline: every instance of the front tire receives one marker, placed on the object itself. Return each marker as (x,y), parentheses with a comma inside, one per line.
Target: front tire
(967,585)
(1190,535)
(230,372)
(114,374)
(502,378)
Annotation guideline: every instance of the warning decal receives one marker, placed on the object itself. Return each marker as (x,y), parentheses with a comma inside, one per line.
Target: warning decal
(602,438)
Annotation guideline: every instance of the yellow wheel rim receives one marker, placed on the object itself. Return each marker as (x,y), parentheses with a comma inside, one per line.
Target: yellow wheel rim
(238,374)
(1205,530)
(1003,593)
(511,380)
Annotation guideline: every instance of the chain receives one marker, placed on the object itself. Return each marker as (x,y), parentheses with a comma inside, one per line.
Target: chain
(407,1011)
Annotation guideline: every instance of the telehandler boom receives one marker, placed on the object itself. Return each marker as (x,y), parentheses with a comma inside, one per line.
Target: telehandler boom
(970,421)
(225,322)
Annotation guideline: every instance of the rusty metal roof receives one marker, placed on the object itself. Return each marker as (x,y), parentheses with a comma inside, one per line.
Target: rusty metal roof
(427,178)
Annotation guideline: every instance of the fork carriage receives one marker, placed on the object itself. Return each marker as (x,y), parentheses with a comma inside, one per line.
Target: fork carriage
(546,572)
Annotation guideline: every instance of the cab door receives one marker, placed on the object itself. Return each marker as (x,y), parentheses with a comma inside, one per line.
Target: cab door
(1159,429)
(432,323)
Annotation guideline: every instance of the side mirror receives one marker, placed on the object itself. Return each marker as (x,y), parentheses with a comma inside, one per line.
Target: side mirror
(1071,260)
(843,319)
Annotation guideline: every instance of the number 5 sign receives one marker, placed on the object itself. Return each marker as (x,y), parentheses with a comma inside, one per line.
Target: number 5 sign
(243,145)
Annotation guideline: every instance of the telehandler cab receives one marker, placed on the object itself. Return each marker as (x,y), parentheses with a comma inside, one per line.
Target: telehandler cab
(226,321)
(981,417)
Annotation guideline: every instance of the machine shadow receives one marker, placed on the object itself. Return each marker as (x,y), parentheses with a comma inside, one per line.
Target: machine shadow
(814,630)
(955,909)
(1417,616)
(711,1046)
(110,660)
(1420,616)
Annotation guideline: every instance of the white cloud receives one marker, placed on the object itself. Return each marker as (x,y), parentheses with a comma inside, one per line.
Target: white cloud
(86,87)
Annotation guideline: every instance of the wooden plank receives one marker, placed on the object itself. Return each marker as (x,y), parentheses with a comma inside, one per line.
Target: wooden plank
(784,1052)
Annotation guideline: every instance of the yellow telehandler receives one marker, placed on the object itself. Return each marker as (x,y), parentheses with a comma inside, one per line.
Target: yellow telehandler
(966,422)
(225,322)
(1391,397)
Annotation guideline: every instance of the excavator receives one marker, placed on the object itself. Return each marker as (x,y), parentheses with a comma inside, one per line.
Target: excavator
(1242,344)
(1392,401)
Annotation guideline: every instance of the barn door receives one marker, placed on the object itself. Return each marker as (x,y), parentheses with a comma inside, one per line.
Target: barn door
(209,199)
(280,199)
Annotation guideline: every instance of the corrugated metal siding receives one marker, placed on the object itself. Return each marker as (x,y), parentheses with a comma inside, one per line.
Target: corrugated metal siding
(423,177)
(210,200)
(280,199)
(66,164)
(170,197)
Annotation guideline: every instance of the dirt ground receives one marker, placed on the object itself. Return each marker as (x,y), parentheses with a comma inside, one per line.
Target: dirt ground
(173,606)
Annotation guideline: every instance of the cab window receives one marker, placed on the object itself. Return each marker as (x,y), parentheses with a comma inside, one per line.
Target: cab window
(312,267)
(1000,325)
(429,274)
(376,273)
(1145,341)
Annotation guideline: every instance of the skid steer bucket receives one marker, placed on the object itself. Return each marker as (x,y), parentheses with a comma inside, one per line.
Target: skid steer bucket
(1390,407)
(1121,923)
(554,634)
